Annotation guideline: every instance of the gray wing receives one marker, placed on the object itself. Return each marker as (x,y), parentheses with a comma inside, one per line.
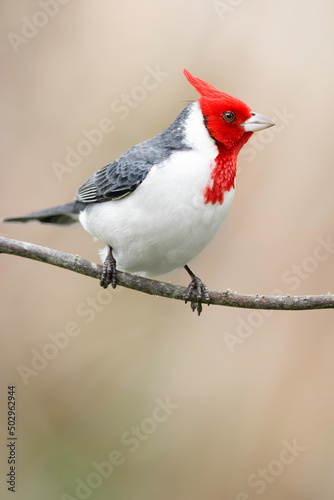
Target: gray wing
(118,178)
(124,175)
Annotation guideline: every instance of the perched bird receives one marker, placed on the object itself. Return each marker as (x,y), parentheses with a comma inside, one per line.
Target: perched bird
(161,202)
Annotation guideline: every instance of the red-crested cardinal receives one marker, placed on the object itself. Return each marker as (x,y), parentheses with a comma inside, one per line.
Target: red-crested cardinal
(159,204)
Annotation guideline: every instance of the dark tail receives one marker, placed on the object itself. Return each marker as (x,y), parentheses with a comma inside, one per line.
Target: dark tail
(64,214)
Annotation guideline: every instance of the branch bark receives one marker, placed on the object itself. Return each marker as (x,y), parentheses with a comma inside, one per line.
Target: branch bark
(153,287)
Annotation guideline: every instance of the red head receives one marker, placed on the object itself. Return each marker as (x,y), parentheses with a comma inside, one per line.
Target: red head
(224,115)
(231,123)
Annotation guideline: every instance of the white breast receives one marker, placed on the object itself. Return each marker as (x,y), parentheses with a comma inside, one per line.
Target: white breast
(164,223)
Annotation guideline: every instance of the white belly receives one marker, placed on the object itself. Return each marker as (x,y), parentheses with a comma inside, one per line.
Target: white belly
(164,223)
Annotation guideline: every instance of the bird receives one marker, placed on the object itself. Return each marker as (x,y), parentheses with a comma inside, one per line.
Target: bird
(159,204)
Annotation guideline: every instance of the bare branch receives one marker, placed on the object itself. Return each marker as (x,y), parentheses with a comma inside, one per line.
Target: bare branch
(152,287)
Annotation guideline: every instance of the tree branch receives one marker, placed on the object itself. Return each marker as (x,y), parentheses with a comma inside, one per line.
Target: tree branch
(152,287)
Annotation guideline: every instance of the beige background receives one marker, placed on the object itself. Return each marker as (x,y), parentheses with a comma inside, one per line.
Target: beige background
(240,401)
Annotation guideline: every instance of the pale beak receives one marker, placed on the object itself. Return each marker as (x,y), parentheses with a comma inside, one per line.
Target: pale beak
(257,122)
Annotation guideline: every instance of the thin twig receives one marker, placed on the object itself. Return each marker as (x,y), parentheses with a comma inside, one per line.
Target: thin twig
(152,287)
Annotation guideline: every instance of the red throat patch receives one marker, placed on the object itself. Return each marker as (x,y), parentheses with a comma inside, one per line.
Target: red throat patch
(224,171)
(222,176)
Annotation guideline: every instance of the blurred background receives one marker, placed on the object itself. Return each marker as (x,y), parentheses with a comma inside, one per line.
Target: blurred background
(123,395)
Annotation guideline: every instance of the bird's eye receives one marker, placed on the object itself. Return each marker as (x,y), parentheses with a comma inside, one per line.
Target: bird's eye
(229,116)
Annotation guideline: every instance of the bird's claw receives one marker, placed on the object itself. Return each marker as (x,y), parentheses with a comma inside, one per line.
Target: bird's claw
(197,293)
(109,271)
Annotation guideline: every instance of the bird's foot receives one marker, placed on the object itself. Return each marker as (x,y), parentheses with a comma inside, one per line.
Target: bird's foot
(109,271)
(197,292)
